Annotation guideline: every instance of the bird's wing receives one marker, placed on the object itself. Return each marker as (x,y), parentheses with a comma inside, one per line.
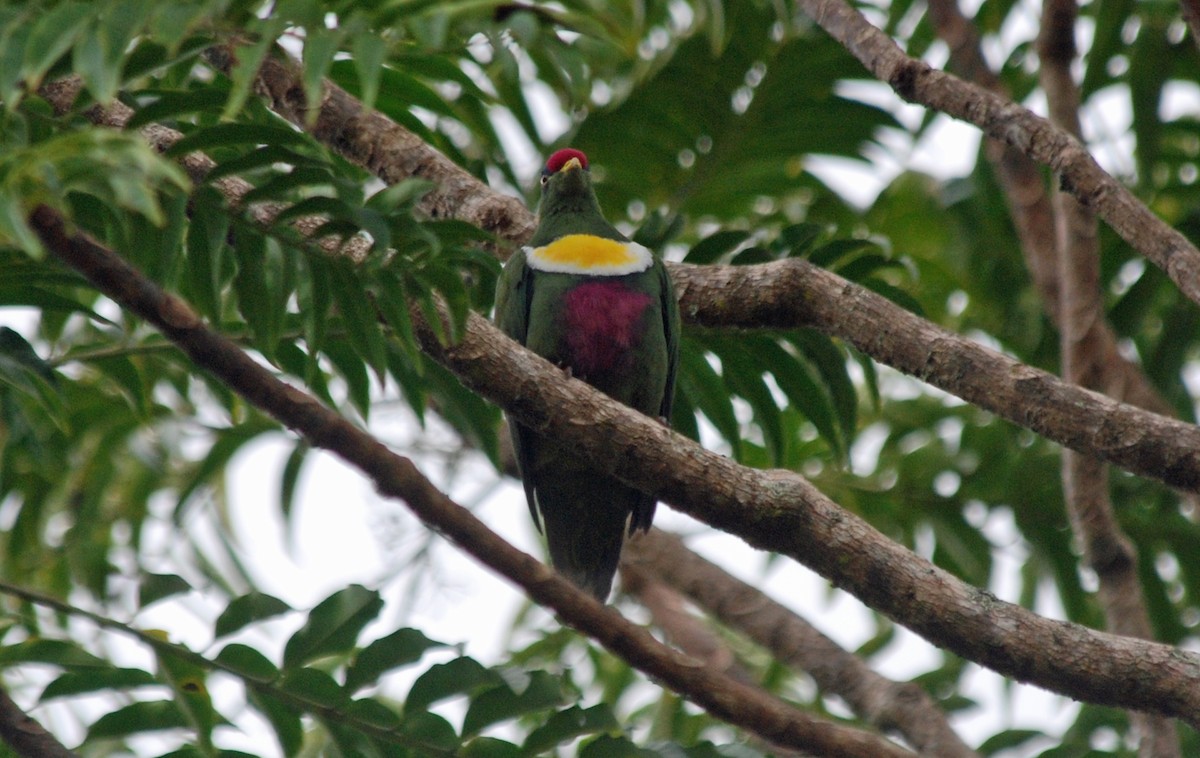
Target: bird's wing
(514,292)
(671,325)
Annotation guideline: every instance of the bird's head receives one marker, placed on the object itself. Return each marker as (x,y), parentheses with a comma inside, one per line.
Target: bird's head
(567,184)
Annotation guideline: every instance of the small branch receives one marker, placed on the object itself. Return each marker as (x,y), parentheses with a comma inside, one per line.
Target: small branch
(1000,118)
(887,705)
(687,632)
(1106,548)
(397,477)
(1033,218)
(24,735)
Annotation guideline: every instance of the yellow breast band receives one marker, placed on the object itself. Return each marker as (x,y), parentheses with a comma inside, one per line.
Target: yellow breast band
(589,254)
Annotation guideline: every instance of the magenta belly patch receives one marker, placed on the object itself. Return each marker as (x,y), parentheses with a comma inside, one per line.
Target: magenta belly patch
(603,322)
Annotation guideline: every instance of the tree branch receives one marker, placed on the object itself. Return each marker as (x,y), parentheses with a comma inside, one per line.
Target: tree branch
(1106,548)
(881,702)
(1032,214)
(915,81)
(397,477)
(790,293)
(24,735)
(793,293)
(688,632)
(782,512)
(384,148)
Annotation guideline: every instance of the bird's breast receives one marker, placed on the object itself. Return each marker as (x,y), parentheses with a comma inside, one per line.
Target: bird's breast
(604,324)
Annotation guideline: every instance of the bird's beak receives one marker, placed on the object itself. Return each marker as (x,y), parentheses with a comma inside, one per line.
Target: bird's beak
(571,165)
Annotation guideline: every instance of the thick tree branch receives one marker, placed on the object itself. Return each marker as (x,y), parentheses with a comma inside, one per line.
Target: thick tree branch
(397,477)
(791,293)
(24,735)
(393,153)
(1000,118)
(887,705)
(782,512)
(385,148)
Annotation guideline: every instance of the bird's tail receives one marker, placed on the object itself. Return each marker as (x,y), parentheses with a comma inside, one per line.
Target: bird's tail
(585,523)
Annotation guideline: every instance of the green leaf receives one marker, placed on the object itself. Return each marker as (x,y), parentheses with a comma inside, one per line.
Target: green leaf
(289,480)
(374,713)
(137,718)
(58,652)
(55,32)
(314,687)
(369,51)
(289,729)
(247,61)
(207,248)
(567,725)
(246,610)
(363,331)
(400,648)
(490,747)
(333,625)
(96,680)
(429,729)
(248,662)
(539,692)
(188,680)
(155,587)
(228,135)
(713,247)
(707,392)
(443,680)
(606,746)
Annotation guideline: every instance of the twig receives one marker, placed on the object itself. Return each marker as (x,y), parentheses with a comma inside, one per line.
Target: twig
(397,477)
(1106,548)
(1033,216)
(1000,118)
(686,631)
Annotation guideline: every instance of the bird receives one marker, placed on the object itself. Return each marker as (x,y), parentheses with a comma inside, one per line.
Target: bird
(602,307)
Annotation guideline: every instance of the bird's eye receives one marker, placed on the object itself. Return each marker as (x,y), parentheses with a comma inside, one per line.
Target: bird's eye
(545,178)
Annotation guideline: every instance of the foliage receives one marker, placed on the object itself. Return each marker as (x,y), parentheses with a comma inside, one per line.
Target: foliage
(706,123)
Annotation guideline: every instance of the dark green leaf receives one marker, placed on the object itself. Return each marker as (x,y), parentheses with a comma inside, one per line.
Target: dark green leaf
(137,718)
(457,677)
(248,609)
(155,587)
(289,730)
(247,662)
(539,691)
(567,725)
(333,626)
(400,648)
(314,687)
(96,680)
